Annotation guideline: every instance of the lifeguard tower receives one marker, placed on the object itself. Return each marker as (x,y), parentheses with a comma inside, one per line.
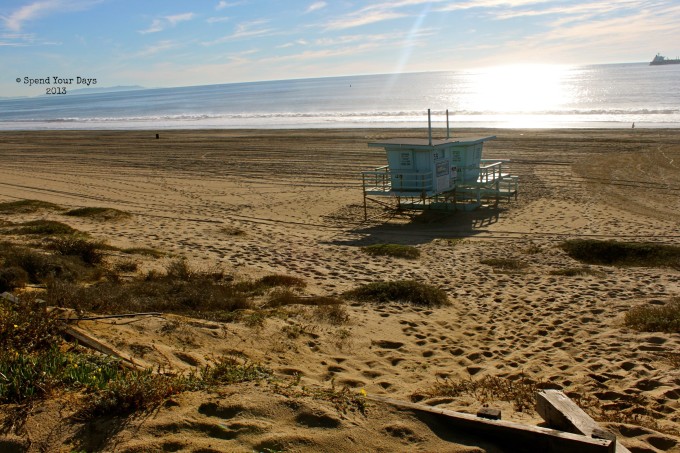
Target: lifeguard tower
(447,174)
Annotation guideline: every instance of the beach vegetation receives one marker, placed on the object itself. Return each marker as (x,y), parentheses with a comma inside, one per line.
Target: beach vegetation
(232,231)
(577,271)
(34,365)
(126,266)
(504,264)
(43,227)
(98,213)
(89,251)
(27,206)
(143,251)
(518,390)
(392,250)
(532,249)
(344,399)
(39,266)
(12,277)
(403,291)
(673,358)
(284,296)
(267,283)
(333,314)
(280,280)
(618,253)
(655,318)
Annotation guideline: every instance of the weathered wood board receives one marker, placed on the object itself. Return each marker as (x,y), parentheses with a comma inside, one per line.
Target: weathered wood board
(516,436)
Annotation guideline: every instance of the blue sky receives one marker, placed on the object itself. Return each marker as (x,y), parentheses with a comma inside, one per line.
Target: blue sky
(161,43)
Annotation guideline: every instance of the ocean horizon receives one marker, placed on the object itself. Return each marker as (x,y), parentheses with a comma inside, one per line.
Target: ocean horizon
(534,96)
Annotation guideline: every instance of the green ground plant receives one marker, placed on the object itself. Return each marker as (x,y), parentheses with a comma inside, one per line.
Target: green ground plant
(392,250)
(504,264)
(577,271)
(403,291)
(617,253)
(33,365)
(98,213)
(144,251)
(43,228)
(27,206)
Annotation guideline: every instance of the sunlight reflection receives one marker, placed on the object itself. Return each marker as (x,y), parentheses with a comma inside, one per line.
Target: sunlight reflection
(519,88)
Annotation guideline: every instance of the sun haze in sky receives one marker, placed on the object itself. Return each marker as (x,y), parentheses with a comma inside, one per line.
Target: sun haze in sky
(165,43)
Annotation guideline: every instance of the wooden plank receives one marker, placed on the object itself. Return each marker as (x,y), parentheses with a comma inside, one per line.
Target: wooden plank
(559,411)
(513,435)
(89,341)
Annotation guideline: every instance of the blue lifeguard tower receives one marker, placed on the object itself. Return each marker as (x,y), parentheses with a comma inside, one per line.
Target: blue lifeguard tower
(447,174)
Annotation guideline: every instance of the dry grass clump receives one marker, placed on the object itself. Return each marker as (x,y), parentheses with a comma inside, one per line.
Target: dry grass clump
(144,251)
(12,277)
(232,231)
(126,266)
(278,280)
(23,265)
(98,213)
(209,294)
(284,296)
(332,314)
(404,291)
(344,399)
(615,253)
(392,250)
(577,271)
(655,318)
(27,206)
(519,390)
(44,228)
(265,284)
(89,251)
(180,289)
(504,264)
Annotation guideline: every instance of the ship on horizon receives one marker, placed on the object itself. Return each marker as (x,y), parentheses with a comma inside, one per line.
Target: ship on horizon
(660,60)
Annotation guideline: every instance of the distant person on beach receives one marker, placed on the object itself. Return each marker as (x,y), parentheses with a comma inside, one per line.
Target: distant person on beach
(633,126)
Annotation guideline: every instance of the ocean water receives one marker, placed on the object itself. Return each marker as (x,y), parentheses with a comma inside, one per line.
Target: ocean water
(610,96)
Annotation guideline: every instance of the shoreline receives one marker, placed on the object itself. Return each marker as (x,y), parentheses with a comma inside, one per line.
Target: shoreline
(514,125)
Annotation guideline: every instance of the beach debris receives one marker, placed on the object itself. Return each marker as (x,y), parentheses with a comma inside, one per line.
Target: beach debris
(86,339)
(511,434)
(124,315)
(559,411)
(491,413)
(9,297)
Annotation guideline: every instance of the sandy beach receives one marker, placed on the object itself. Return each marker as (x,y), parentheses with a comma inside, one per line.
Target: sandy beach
(295,198)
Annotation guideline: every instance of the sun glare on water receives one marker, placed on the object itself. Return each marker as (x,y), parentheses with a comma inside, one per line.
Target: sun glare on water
(520,93)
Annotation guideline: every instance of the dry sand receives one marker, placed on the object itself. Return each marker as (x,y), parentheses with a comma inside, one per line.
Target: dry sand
(297,196)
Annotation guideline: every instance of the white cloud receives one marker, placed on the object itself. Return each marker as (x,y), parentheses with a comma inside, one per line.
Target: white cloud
(245,30)
(362,18)
(156,48)
(316,6)
(15,21)
(215,20)
(222,4)
(490,4)
(375,13)
(177,18)
(164,22)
